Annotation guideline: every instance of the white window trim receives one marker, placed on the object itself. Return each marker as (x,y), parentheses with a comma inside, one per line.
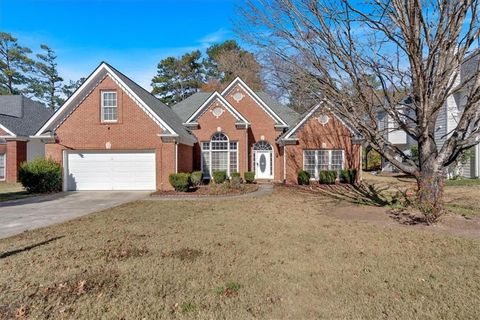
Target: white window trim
(102,105)
(317,173)
(210,172)
(4,167)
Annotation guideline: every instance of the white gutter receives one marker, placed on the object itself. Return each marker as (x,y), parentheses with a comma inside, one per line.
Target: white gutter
(284,164)
(246,147)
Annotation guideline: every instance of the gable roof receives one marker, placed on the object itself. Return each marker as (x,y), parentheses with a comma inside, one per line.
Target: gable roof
(257,99)
(290,134)
(21,116)
(158,111)
(187,107)
(216,96)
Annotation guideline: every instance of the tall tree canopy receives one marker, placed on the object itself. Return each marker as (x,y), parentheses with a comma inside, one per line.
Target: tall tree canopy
(178,78)
(69,88)
(47,85)
(15,65)
(420,47)
(227,60)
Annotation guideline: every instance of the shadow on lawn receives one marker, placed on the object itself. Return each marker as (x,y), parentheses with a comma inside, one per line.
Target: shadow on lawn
(6,254)
(373,195)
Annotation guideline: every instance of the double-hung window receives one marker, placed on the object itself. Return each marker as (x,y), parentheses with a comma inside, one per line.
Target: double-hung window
(109,106)
(315,161)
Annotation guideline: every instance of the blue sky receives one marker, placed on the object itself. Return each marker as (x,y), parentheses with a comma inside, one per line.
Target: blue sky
(131,35)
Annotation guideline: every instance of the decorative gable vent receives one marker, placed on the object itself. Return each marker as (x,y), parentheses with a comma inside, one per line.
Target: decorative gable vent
(238,96)
(217,112)
(323,119)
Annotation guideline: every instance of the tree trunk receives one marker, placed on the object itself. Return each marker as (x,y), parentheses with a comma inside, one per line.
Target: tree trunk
(430,194)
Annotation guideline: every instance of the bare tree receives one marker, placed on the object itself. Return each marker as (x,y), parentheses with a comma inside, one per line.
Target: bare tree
(413,46)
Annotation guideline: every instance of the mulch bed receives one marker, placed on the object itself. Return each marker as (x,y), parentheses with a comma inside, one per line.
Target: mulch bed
(207,191)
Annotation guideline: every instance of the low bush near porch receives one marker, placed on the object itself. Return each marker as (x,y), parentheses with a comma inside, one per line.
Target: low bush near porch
(249,176)
(41,176)
(327,177)
(303,178)
(348,176)
(219,176)
(180,181)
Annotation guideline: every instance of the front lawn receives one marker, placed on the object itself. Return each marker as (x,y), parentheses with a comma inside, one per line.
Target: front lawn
(282,256)
(12,191)
(461,196)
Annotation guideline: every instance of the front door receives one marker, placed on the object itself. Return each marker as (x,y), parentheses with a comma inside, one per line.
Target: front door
(263,165)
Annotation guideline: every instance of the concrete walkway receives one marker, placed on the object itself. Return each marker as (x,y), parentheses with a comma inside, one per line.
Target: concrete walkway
(263,190)
(19,215)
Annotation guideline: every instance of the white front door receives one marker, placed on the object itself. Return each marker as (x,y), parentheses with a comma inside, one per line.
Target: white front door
(110,170)
(263,165)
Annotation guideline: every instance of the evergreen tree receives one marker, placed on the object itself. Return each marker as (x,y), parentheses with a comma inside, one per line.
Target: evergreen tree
(69,88)
(228,60)
(15,65)
(178,78)
(47,86)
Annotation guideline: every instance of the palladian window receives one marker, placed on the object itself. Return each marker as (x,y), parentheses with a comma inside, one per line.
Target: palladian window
(219,154)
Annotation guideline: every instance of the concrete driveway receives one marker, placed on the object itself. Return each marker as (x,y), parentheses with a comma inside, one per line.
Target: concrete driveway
(20,215)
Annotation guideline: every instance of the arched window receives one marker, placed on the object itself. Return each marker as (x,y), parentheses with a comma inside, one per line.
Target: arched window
(262,145)
(219,154)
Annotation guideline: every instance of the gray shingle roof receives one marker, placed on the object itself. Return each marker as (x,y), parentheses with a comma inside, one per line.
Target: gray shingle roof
(470,65)
(287,114)
(184,109)
(22,115)
(162,110)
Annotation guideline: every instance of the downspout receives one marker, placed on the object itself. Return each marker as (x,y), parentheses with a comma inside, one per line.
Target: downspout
(477,162)
(246,148)
(284,164)
(176,157)
(361,162)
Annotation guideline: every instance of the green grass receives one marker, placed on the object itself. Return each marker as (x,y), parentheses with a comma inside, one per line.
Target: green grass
(12,191)
(462,182)
(281,256)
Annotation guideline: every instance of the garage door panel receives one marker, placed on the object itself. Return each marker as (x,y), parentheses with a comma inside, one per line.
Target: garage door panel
(111,171)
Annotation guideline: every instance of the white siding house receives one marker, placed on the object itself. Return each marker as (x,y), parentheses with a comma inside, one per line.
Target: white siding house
(447,120)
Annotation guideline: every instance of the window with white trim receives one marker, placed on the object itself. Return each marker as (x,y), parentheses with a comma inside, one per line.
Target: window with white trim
(2,166)
(219,154)
(315,161)
(109,106)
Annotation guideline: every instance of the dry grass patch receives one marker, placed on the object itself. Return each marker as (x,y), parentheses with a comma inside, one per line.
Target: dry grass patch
(276,257)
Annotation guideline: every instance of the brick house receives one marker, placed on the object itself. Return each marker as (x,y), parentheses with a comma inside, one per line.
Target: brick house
(112,134)
(20,118)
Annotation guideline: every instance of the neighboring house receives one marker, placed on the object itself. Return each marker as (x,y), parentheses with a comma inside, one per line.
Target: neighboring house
(20,118)
(469,164)
(111,134)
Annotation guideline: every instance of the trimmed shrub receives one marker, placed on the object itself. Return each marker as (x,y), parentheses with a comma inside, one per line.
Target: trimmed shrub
(180,181)
(348,176)
(196,178)
(41,176)
(249,176)
(235,180)
(327,177)
(235,175)
(219,176)
(303,178)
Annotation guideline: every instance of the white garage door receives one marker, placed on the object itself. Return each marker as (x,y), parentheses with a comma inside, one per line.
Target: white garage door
(110,171)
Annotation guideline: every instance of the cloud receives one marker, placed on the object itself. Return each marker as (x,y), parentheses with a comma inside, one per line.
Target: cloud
(214,37)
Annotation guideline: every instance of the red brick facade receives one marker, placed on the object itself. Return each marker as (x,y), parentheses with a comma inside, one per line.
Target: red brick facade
(15,154)
(314,136)
(135,130)
(83,129)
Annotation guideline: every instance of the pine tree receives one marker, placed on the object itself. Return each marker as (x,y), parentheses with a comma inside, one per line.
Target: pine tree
(15,65)
(69,88)
(47,86)
(178,78)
